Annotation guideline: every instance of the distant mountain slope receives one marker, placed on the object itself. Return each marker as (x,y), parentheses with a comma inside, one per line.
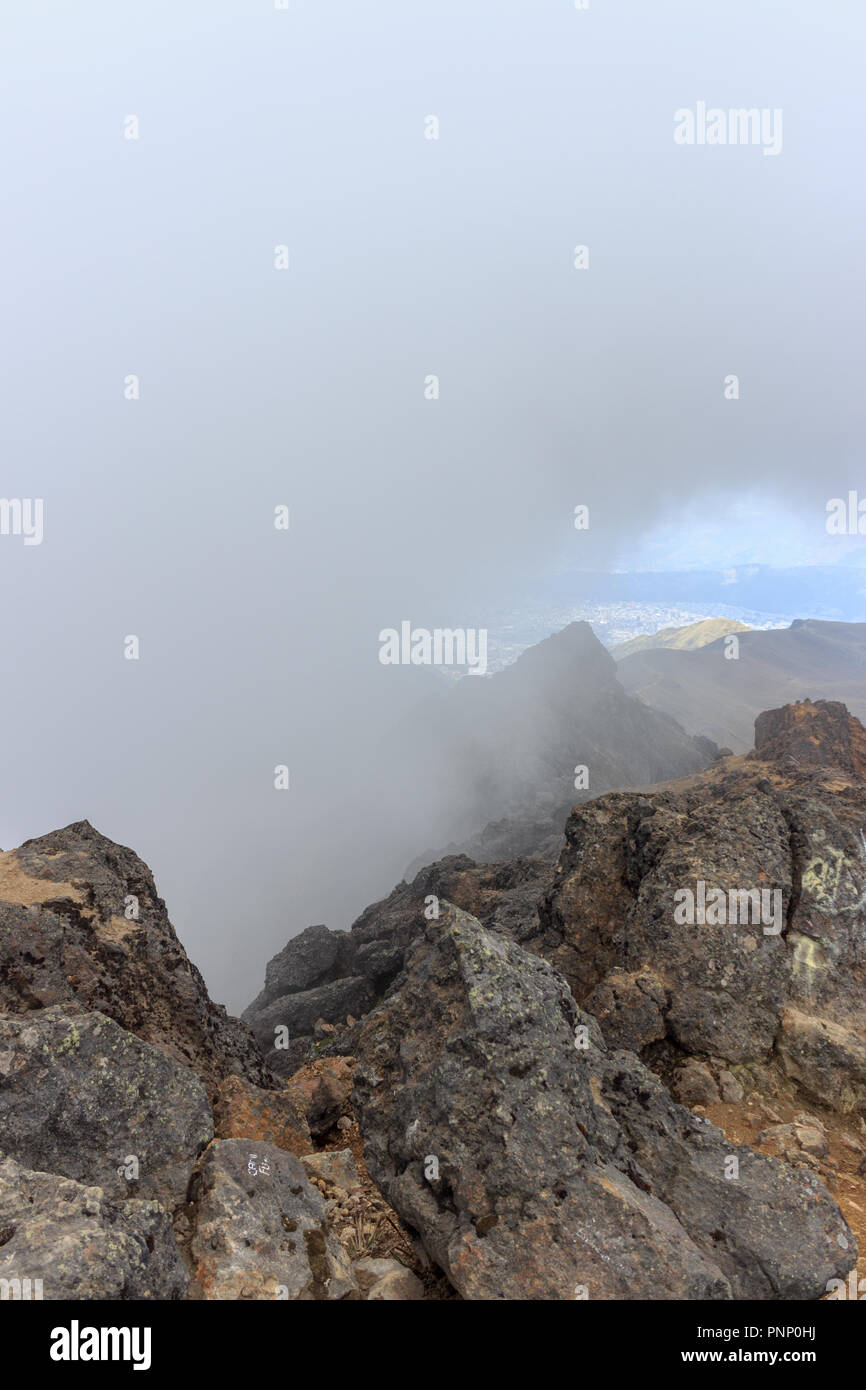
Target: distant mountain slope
(506,749)
(687,638)
(721,698)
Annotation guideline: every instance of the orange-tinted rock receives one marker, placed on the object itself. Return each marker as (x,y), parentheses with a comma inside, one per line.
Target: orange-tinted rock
(244,1111)
(322,1090)
(812,734)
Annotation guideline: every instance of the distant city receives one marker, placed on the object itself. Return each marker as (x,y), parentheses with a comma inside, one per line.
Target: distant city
(622,604)
(611,622)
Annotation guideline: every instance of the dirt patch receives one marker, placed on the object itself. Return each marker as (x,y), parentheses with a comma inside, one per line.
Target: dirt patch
(18,887)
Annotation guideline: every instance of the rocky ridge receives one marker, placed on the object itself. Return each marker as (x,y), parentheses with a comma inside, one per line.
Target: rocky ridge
(527,1079)
(146,1150)
(758,1021)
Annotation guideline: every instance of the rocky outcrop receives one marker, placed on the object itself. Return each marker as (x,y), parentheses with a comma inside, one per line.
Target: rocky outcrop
(706,919)
(812,734)
(336,975)
(81,923)
(498,1057)
(506,753)
(711,927)
(111,1058)
(82,1098)
(776,849)
(321,1091)
(537,1163)
(298,1015)
(81,1244)
(259,1228)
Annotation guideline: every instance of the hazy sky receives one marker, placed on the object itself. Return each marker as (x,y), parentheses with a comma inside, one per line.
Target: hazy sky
(407,257)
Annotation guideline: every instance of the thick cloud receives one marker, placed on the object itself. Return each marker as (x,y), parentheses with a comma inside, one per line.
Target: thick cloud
(407,257)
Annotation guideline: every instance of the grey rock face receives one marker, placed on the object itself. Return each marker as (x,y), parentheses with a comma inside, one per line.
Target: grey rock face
(79,1097)
(827,1060)
(299,1012)
(304,962)
(259,1228)
(363,963)
(66,938)
(724,988)
(81,1244)
(535,1168)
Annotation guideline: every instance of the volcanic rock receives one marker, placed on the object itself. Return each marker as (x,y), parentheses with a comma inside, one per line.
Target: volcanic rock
(535,1162)
(81,922)
(82,1244)
(788,987)
(827,1060)
(82,1098)
(300,1012)
(819,734)
(337,1167)
(321,1091)
(259,1228)
(243,1111)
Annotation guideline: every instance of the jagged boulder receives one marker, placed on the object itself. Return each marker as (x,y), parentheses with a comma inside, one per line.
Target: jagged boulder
(819,733)
(536,1163)
(781,850)
(81,1244)
(81,922)
(83,1098)
(243,1111)
(321,1090)
(300,1012)
(335,975)
(305,962)
(259,1228)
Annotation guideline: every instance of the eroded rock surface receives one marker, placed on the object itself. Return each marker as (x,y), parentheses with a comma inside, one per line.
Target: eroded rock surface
(82,1098)
(65,937)
(524,1033)
(82,1244)
(533,1167)
(504,896)
(259,1228)
(786,985)
(244,1111)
